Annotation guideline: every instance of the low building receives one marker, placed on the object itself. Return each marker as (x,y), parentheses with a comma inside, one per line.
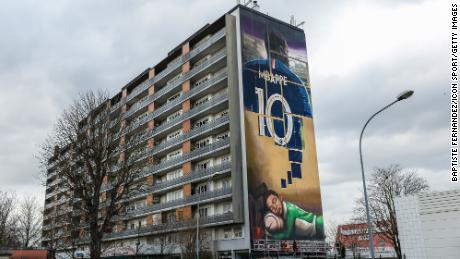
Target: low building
(355,239)
(428,225)
(24,254)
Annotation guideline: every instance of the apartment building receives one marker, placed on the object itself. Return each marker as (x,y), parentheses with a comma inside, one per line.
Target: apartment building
(187,114)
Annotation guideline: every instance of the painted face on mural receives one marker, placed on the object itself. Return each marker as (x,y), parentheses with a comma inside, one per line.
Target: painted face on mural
(274,204)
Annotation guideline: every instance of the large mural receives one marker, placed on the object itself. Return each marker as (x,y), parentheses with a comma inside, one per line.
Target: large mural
(283,182)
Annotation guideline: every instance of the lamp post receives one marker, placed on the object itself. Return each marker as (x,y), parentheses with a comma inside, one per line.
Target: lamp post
(404,95)
(198,216)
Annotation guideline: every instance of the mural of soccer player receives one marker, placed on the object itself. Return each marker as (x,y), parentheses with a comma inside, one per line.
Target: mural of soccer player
(285,220)
(284,198)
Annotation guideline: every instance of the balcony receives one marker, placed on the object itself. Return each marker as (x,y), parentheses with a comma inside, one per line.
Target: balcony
(187,76)
(136,107)
(186,201)
(194,132)
(191,177)
(147,83)
(140,88)
(50,205)
(217,99)
(176,83)
(172,226)
(216,78)
(118,104)
(199,152)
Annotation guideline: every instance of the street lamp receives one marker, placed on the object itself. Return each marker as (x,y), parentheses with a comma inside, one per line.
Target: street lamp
(198,216)
(404,95)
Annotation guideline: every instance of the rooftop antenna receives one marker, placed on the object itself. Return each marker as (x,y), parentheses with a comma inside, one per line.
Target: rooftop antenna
(293,22)
(255,6)
(254,3)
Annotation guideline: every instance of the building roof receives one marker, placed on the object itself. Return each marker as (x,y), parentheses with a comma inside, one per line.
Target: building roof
(29,254)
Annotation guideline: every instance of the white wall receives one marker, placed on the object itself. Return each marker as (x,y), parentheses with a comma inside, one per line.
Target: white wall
(429,225)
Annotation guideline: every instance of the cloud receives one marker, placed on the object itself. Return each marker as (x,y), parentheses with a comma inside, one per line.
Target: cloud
(361,55)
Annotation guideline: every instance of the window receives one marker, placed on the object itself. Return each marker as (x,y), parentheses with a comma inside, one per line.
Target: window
(203,164)
(141,117)
(175,134)
(202,188)
(174,175)
(174,195)
(227,207)
(238,232)
(174,78)
(201,122)
(202,101)
(174,115)
(156,219)
(143,99)
(171,217)
(202,80)
(227,233)
(223,136)
(203,212)
(222,113)
(173,97)
(174,154)
(225,159)
(201,61)
(226,183)
(202,143)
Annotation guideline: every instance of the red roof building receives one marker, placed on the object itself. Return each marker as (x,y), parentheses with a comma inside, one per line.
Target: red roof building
(29,254)
(355,239)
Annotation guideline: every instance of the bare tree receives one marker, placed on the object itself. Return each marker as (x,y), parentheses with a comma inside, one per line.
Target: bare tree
(57,235)
(331,231)
(84,149)
(187,244)
(164,245)
(8,220)
(29,222)
(385,184)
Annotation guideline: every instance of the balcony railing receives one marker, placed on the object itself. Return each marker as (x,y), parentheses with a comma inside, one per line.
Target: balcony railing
(175,83)
(147,83)
(206,44)
(216,78)
(186,201)
(118,104)
(194,132)
(186,115)
(172,226)
(136,107)
(140,88)
(185,157)
(193,175)
(50,205)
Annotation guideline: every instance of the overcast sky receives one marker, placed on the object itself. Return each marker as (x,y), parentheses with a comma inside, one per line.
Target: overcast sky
(361,54)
